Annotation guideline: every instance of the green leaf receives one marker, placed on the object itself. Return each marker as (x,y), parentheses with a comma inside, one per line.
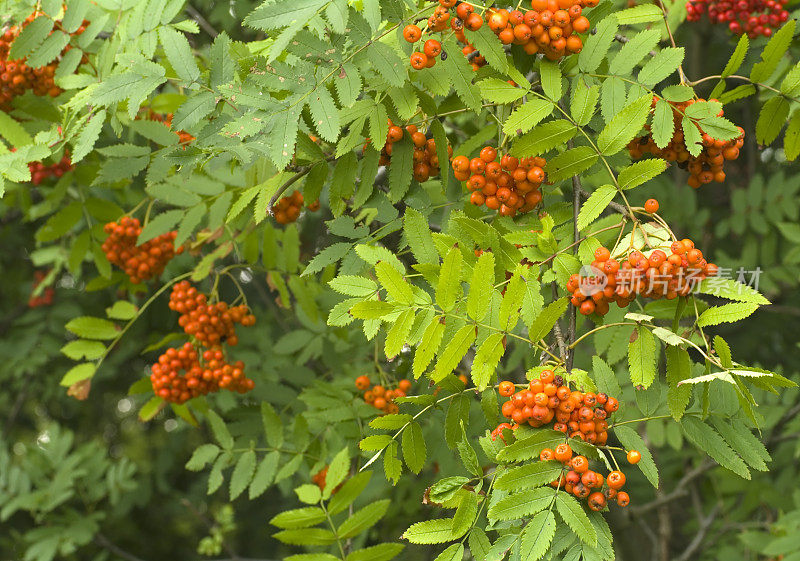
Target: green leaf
(460,74)
(660,66)
(457,416)
(771,119)
(634,51)
(375,442)
(679,368)
(730,289)
(363,519)
(455,552)
(569,163)
(12,131)
(83,349)
(521,505)
(453,352)
(431,340)
(220,431)
(631,440)
(550,78)
(161,224)
(743,442)
(529,448)
(543,138)
(337,472)
(351,285)
(280,14)
(418,236)
(202,455)
(707,440)
(122,309)
(325,114)
(606,379)
(538,535)
(349,492)
(30,38)
(486,359)
(642,358)
(737,58)
(641,172)
(573,514)
(596,46)
(242,473)
(465,514)
(489,46)
(89,134)
(388,64)
(306,536)
(791,140)
(508,315)
(624,126)
(448,289)
(396,286)
(401,170)
(528,476)
(468,456)
(500,91)
(372,309)
(595,205)
(78,373)
(48,50)
(179,53)
(93,328)
(527,116)
(777,46)
(433,531)
(584,102)
(414,450)
(547,319)
(726,313)
(642,13)
(265,473)
(381,552)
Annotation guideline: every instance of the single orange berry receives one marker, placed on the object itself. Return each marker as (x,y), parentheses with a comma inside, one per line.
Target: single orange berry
(651,206)
(634,456)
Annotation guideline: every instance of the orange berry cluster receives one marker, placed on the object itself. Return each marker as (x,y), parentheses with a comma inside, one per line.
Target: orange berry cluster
(510,185)
(439,21)
(16,77)
(209,324)
(380,397)
(548,399)
(45,298)
(551,27)
(287,209)
(41,172)
(704,168)
(426,161)
(655,276)
(140,262)
(580,481)
(213,374)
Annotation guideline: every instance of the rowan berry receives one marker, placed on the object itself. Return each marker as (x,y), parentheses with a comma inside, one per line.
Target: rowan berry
(506,388)
(596,501)
(616,479)
(634,456)
(362,382)
(412,33)
(580,464)
(623,499)
(563,453)
(546,454)
(651,206)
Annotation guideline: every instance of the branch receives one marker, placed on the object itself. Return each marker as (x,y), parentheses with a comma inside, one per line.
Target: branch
(104,542)
(201,21)
(679,491)
(576,236)
(705,524)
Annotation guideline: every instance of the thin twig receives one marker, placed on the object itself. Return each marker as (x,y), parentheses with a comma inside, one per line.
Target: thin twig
(106,544)
(201,21)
